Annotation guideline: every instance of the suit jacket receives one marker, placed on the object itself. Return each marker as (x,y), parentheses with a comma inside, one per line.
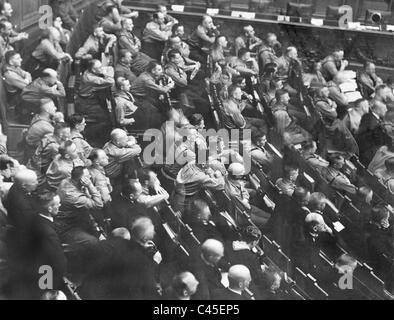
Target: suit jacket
(226,294)
(45,248)
(209,277)
(122,270)
(21,208)
(370,137)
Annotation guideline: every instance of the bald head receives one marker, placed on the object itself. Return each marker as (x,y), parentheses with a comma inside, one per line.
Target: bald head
(27,179)
(119,137)
(239,277)
(185,285)
(212,250)
(142,230)
(121,233)
(379,108)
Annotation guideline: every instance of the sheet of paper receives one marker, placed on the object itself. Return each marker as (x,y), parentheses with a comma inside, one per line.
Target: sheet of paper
(353,96)
(338,226)
(243,14)
(317,22)
(212,11)
(177,8)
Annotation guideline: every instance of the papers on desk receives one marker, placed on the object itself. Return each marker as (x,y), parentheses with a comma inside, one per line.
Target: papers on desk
(317,22)
(243,14)
(348,86)
(212,11)
(338,226)
(354,25)
(390,27)
(373,28)
(177,8)
(283,18)
(353,96)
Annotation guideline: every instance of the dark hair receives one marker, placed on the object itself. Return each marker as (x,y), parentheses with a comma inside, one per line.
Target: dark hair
(44,199)
(299,194)
(242,52)
(94,154)
(287,168)
(257,136)
(237,80)
(152,64)
(123,53)
(155,15)
(196,119)
(143,174)
(172,53)
(5,163)
(178,284)
(75,119)
(91,64)
(60,126)
(9,55)
(251,233)
(109,8)
(77,173)
(333,159)
(231,89)
(176,26)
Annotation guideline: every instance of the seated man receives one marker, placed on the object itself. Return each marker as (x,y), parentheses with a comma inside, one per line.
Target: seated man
(111,21)
(66,11)
(125,104)
(289,63)
(324,105)
(380,240)
(287,184)
(239,281)
(46,249)
(267,52)
(205,268)
(241,251)
(128,41)
(169,21)
(95,45)
(244,63)
(15,78)
(47,150)
(236,190)
(368,79)
(6,12)
(182,90)
(100,160)
(284,113)
(91,102)
(154,36)
(258,151)
(62,166)
(333,175)
(150,89)
(202,39)
(123,67)
(333,64)
(41,125)
(247,40)
(49,53)
(201,223)
(336,93)
(78,197)
(5,33)
(121,150)
(314,160)
(175,43)
(371,135)
(183,287)
(354,115)
(46,86)
(191,179)
(77,124)
(232,113)
(21,203)
(386,175)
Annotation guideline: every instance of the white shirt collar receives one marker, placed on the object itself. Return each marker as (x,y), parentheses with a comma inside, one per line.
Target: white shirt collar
(237,292)
(46,217)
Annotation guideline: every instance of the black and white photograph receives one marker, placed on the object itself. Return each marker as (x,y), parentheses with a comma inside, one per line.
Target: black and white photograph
(220,151)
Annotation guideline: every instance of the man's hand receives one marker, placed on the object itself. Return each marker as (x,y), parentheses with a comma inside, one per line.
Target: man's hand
(86,182)
(22,36)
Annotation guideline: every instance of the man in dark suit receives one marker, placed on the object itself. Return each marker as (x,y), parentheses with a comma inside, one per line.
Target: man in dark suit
(239,279)
(21,204)
(370,133)
(380,241)
(42,247)
(204,265)
(240,252)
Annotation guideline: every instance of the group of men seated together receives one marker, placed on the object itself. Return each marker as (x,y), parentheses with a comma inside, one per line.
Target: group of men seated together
(187,220)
